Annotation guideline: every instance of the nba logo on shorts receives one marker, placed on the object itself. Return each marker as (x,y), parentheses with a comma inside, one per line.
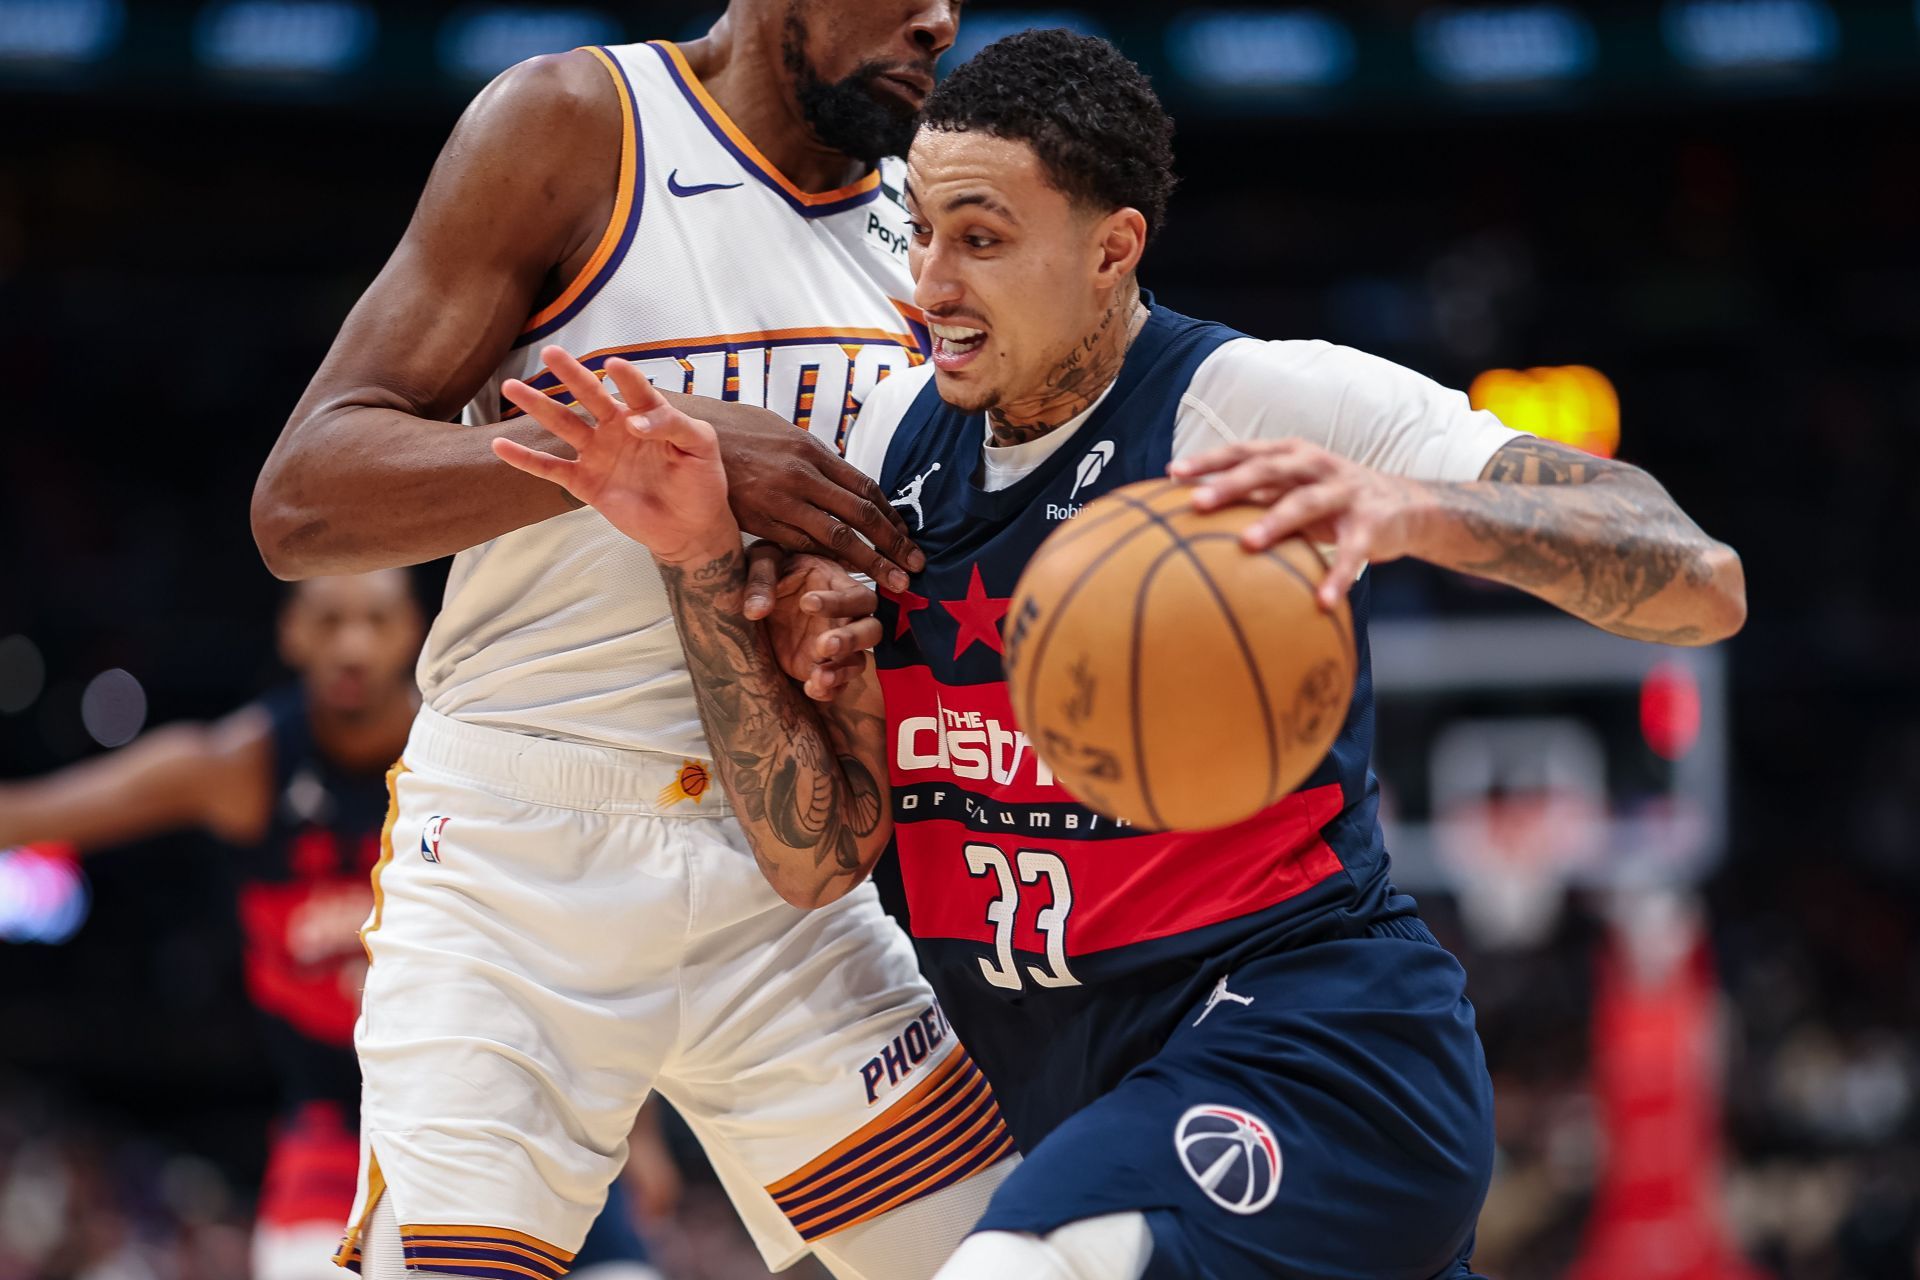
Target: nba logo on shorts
(430,837)
(1232,1154)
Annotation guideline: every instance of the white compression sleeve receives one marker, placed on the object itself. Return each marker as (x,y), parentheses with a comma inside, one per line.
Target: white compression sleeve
(1114,1246)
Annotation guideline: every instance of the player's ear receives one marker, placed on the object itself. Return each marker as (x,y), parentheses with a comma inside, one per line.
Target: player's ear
(1121,238)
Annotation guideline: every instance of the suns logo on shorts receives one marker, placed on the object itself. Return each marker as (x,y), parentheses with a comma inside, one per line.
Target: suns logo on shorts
(690,783)
(1232,1154)
(430,837)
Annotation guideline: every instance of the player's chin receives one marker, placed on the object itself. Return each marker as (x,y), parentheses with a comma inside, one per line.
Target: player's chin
(967,394)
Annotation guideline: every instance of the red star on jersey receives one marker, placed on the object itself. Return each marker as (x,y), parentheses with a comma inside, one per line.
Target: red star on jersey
(907,602)
(978,615)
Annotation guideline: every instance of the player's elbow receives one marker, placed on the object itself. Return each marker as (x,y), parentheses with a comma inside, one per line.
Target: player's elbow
(1726,606)
(267,514)
(1715,604)
(290,528)
(277,525)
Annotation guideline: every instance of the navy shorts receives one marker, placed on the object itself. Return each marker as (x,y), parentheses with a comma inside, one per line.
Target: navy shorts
(1328,1116)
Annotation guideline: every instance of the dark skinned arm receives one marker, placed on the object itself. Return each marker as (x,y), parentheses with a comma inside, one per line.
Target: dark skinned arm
(370,472)
(213,776)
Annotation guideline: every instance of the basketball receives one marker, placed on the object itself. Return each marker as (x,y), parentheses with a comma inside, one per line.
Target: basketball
(1168,676)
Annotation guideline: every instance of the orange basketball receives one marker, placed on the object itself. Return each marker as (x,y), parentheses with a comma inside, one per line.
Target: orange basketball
(1167,675)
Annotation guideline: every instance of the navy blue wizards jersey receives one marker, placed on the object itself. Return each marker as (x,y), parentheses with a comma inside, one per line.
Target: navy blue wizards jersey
(304,892)
(1064,945)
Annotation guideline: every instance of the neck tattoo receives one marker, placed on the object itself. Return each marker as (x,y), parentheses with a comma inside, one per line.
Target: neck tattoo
(1077,379)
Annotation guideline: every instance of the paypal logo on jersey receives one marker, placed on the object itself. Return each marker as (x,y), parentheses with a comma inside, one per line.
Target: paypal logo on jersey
(894,241)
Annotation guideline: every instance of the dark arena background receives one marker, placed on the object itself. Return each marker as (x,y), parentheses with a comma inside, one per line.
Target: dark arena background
(1705,1048)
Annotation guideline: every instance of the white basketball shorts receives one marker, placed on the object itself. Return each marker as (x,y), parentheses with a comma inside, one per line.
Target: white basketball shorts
(559,928)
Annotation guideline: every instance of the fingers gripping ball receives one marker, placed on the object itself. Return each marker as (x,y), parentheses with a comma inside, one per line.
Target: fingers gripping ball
(1167,675)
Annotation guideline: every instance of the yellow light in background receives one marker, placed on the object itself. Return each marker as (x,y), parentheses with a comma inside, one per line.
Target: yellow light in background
(1569,403)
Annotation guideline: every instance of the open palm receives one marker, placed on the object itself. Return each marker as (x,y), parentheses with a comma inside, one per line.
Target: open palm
(652,471)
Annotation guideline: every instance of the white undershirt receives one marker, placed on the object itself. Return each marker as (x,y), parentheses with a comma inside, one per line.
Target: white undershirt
(1005,465)
(1357,405)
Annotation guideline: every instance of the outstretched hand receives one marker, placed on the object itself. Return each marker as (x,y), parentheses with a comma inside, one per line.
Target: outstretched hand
(651,470)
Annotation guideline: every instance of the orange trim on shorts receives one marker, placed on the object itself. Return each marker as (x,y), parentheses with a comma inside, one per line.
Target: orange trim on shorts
(622,204)
(450,1233)
(348,1254)
(386,853)
(998,1150)
(937,1126)
(981,1125)
(712,111)
(885,1120)
(945,1131)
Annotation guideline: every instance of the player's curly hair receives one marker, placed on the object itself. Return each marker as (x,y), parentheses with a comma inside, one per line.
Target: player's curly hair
(1086,110)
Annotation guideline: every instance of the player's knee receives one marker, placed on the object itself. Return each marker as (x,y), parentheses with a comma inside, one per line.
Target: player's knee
(1114,1246)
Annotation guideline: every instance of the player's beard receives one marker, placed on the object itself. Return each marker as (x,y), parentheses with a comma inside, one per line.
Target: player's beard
(845,114)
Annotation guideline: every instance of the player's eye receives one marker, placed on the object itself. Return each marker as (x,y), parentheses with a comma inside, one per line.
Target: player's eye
(981,242)
(920,230)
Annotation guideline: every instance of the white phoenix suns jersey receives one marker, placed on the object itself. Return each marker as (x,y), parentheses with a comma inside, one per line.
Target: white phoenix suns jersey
(717,277)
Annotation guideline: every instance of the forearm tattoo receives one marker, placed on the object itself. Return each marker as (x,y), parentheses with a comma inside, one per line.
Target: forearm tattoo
(1601,558)
(797,777)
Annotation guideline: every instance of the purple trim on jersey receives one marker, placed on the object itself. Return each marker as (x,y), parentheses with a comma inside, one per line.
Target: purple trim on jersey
(747,162)
(627,232)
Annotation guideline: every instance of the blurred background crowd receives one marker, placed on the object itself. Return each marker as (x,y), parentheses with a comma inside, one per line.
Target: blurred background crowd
(1714,203)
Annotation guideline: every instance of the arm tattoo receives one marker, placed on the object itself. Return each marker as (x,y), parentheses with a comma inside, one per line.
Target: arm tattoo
(798,775)
(1602,554)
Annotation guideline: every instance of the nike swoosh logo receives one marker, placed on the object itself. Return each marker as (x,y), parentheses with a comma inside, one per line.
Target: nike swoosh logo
(673,185)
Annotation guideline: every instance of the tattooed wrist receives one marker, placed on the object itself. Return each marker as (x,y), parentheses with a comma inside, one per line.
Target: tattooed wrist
(706,555)
(809,804)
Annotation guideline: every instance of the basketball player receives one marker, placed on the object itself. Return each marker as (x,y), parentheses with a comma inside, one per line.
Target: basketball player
(1227,1053)
(571,916)
(296,784)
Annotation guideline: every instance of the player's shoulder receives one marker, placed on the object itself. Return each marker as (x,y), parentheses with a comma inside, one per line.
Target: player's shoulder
(881,414)
(1302,361)
(549,96)
(894,394)
(1288,382)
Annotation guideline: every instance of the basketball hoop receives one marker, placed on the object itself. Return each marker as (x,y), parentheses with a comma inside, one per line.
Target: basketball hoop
(1519,808)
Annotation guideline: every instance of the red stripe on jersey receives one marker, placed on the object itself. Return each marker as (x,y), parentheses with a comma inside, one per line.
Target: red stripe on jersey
(1126,889)
(304,965)
(313,1166)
